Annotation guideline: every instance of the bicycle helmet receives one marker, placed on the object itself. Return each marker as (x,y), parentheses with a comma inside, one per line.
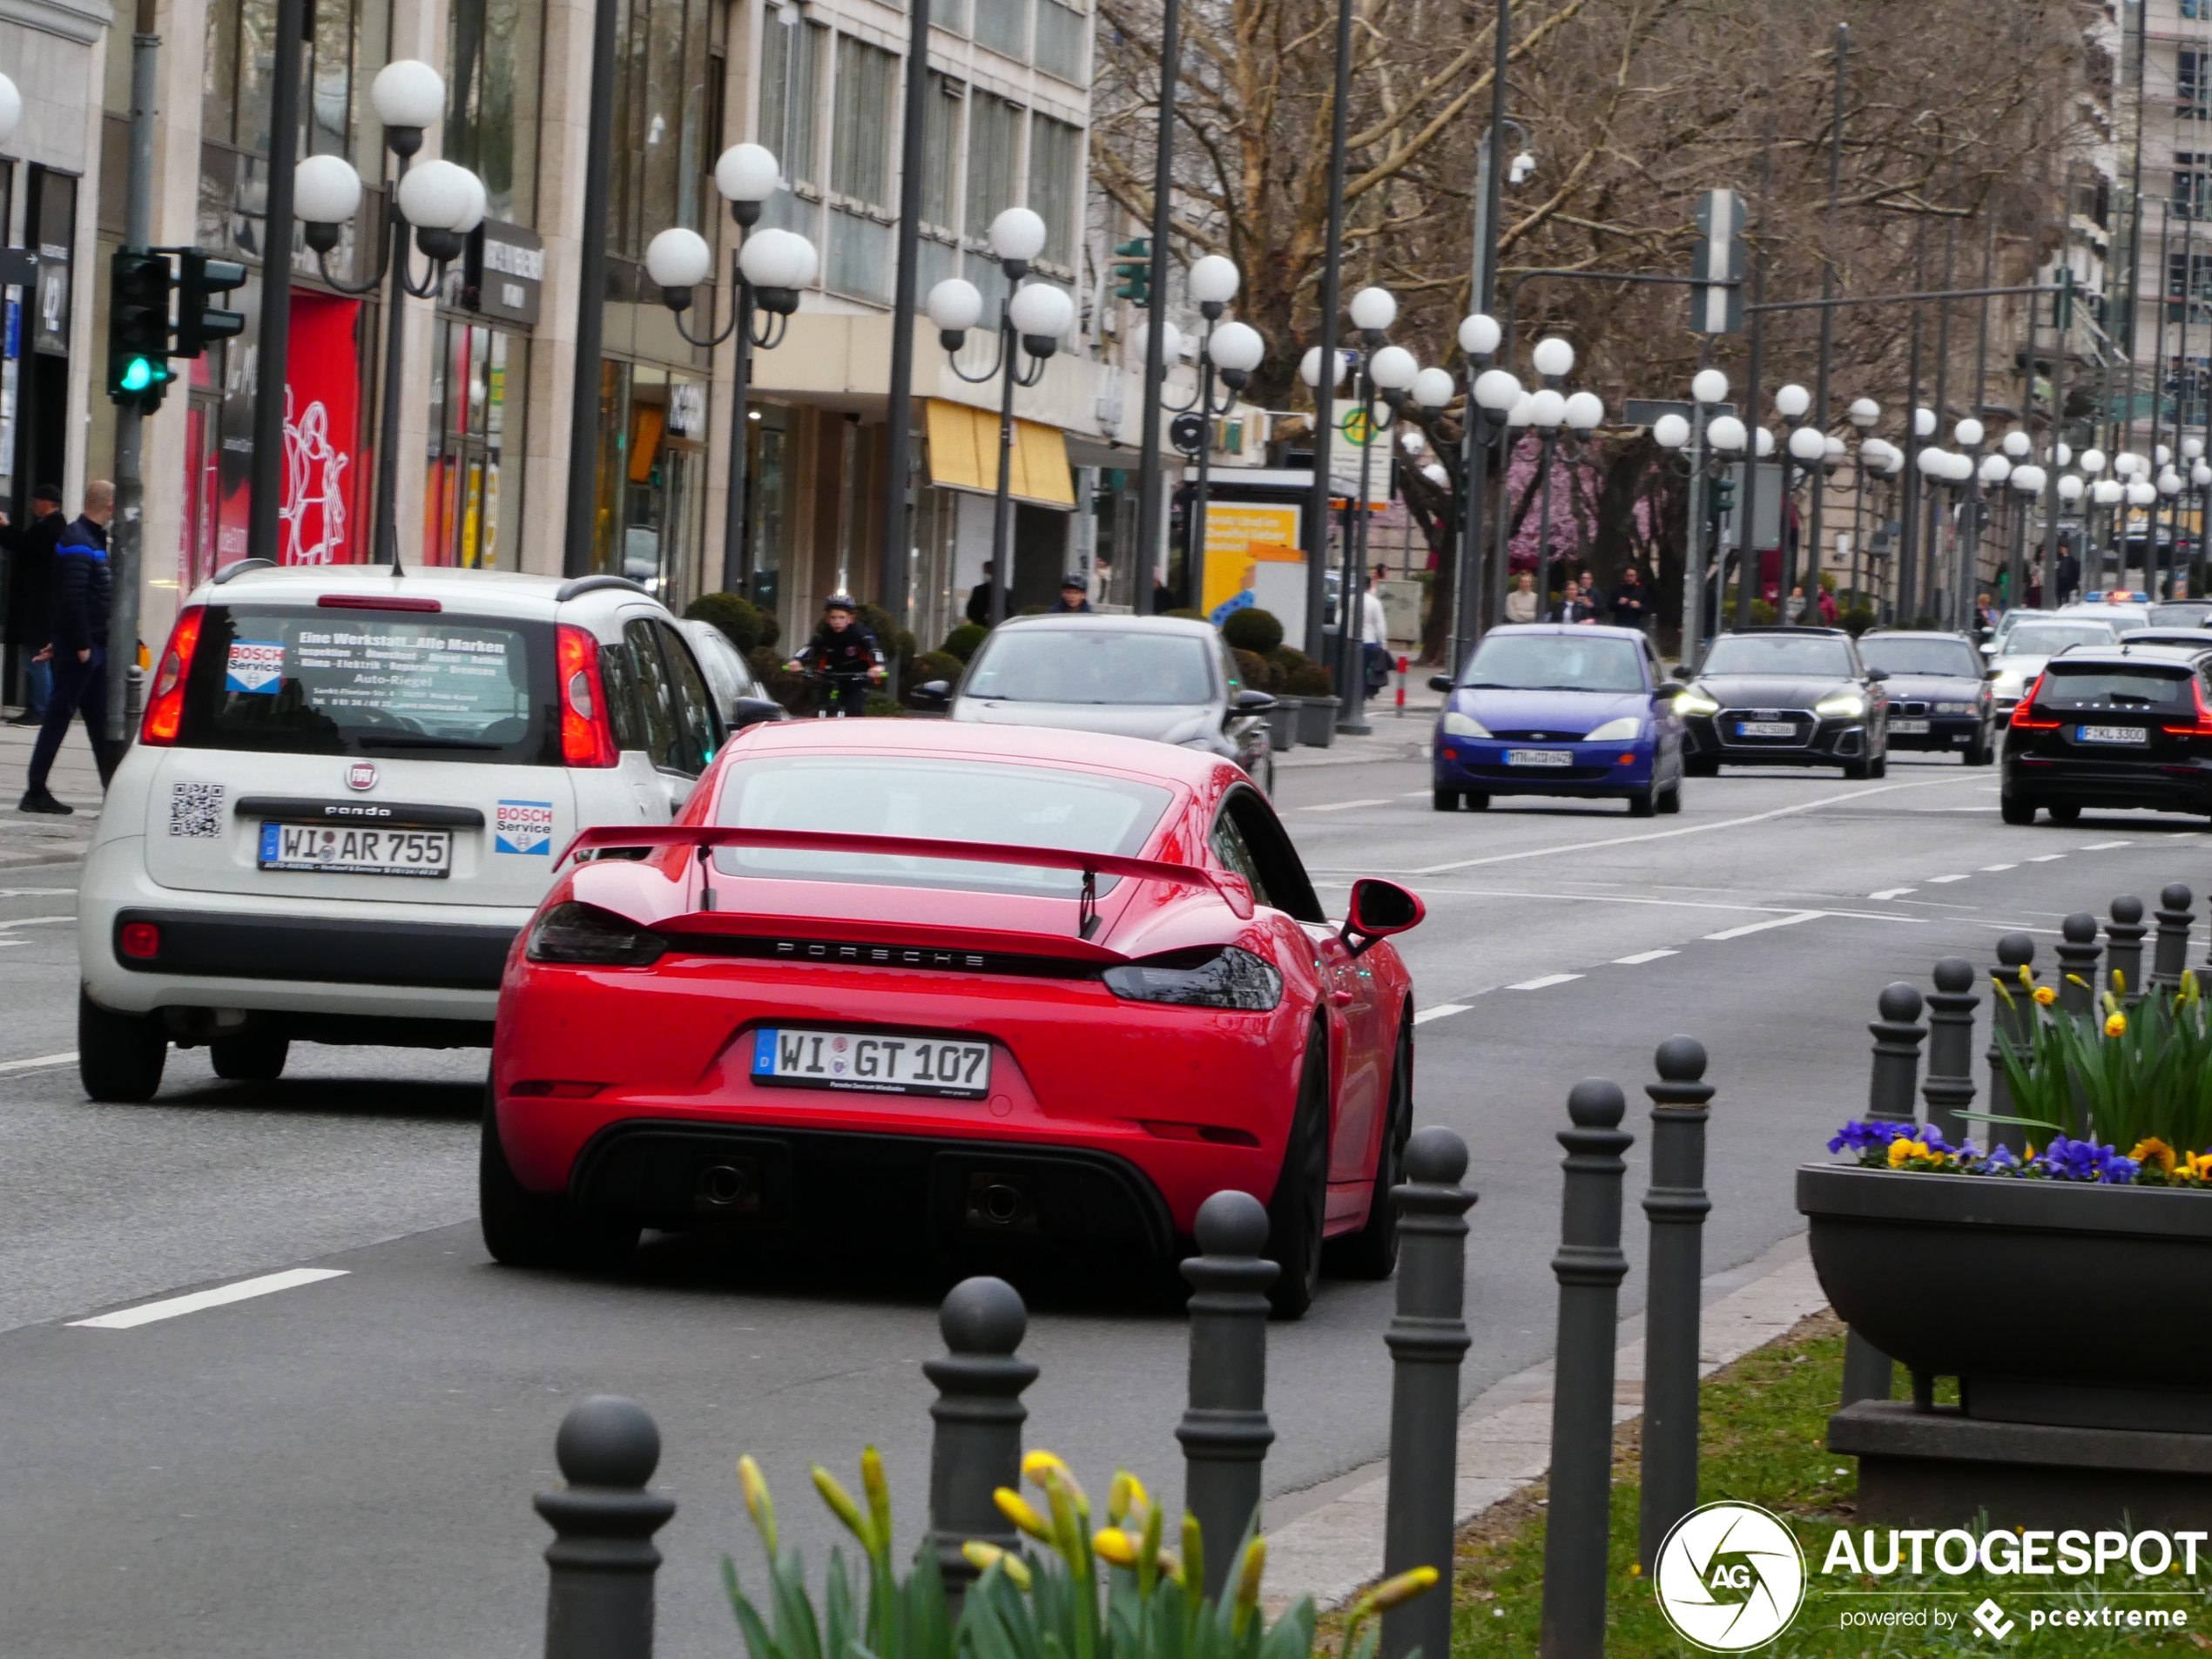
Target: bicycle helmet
(841,602)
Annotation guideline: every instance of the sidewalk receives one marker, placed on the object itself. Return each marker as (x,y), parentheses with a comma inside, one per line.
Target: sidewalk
(28,838)
(1393,737)
(1327,1540)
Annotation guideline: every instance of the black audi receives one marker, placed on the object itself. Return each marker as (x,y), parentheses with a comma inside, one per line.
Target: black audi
(1938,692)
(2120,725)
(1769,697)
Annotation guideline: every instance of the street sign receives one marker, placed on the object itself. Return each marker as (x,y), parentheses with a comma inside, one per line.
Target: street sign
(1769,534)
(1646,411)
(1354,434)
(1720,259)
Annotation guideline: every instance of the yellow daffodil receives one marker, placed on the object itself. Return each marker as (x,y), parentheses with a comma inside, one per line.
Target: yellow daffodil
(877,1487)
(2154,1151)
(840,1501)
(2116,1025)
(983,1557)
(2076,979)
(758,1502)
(1015,1508)
(1114,1545)
(1396,1592)
(1901,1150)
(1125,1497)
(1248,1576)
(1047,1470)
(2045,996)
(2027,975)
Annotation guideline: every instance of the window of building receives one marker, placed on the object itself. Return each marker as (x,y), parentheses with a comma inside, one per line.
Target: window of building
(234,78)
(660,106)
(2196,10)
(994,161)
(2189,274)
(2192,184)
(1060,40)
(1003,25)
(1054,146)
(2193,82)
(864,115)
(492,85)
(940,164)
(790,52)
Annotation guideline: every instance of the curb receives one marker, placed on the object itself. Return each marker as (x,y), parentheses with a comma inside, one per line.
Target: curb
(1331,1547)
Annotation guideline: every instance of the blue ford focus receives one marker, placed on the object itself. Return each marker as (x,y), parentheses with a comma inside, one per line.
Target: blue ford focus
(1547,708)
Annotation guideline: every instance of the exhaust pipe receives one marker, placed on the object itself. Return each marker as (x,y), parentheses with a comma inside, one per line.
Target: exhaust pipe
(724,1185)
(1001,1203)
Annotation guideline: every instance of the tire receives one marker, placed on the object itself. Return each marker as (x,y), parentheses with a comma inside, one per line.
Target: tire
(1859,771)
(249,1059)
(1983,749)
(1445,800)
(1880,766)
(1700,766)
(1670,803)
(1373,1251)
(1644,803)
(2016,810)
(1299,1210)
(525,1229)
(119,1057)
(2066,813)
(1477,801)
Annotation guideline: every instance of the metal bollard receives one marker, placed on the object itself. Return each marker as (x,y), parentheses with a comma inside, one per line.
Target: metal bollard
(2124,949)
(1949,1090)
(1589,1267)
(2078,953)
(1868,1373)
(976,1446)
(2171,957)
(1426,1340)
(2012,1014)
(599,1603)
(1224,1431)
(1677,1205)
(1897,1053)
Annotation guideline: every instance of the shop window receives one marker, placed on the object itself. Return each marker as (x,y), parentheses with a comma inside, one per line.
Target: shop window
(652,478)
(472,499)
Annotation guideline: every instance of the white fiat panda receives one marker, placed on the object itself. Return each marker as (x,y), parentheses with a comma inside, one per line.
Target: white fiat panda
(348,791)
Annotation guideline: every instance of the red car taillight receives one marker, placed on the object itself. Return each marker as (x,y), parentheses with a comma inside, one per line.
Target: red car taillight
(165,700)
(587,737)
(2202,727)
(141,940)
(2027,717)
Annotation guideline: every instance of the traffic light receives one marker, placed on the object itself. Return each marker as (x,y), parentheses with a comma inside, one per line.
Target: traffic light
(1724,495)
(199,280)
(1133,270)
(137,328)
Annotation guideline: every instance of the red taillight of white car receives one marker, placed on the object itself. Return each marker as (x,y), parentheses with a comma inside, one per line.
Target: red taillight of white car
(587,737)
(165,700)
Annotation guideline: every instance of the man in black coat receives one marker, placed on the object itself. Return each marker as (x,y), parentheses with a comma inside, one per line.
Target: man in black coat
(31,594)
(979,597)
(83,590)
(1629,610)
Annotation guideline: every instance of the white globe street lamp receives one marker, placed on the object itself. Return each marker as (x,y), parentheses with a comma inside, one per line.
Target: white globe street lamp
(1479,336)
(1864,413)
(1710,386)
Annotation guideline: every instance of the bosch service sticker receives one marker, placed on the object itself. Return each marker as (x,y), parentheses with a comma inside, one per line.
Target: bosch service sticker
(255,665)
(525,827)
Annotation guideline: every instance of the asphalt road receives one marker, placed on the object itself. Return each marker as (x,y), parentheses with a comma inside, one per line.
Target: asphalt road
(344,1468)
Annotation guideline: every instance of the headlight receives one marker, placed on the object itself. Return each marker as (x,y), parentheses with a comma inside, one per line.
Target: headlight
(585,933)
(1627,729)
(1229,978)
(1841,705)
(1954,708)
(1457,724)
(1696,702)
(2008,685)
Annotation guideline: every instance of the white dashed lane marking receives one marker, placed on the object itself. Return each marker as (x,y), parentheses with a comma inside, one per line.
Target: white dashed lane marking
(1343,806)
(1991,869)
(1773,922)
(1642,957)
(2047,858)
(245,1290)
(1543,982)
(44,1060)
(2105,847)
(1892,893)
(1937,880)
(1440,1011)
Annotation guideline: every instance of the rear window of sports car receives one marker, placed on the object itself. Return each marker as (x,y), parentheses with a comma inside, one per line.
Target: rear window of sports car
(937,799)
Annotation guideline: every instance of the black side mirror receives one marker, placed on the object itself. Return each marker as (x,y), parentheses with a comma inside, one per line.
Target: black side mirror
(934,691)
(1668,688)
(1443,683)
(1250,702)
(751,711)
(1379,909)
(1878,675)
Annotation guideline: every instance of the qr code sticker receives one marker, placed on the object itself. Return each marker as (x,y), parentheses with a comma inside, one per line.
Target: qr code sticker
(195,809)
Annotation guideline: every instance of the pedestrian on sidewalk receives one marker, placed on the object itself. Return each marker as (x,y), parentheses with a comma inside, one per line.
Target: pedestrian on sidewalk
(1374,638)
(31,594)
(82,588)
(979,597)
(1521,603)
(1629,610)
(1572,606)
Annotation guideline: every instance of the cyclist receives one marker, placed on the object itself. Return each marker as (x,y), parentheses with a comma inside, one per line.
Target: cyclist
(843,656)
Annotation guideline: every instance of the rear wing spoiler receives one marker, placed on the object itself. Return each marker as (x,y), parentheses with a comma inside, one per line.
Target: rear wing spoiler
(1232,889)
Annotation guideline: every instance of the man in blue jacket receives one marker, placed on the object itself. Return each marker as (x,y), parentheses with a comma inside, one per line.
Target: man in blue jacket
(82,587)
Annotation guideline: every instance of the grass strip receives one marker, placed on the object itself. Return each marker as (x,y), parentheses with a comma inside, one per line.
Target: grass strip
(1764,1423)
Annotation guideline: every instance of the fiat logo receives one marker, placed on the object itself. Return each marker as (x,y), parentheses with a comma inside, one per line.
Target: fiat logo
(361,775)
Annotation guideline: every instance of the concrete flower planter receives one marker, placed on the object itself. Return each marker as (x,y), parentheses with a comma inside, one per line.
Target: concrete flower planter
(1283,722)
(2052,1302)
(1317,721)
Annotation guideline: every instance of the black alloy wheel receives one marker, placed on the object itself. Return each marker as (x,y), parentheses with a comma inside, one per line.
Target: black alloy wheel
(119,1057)
(1299,1210)
(1642,803)
(1373,1251)
(1672,801)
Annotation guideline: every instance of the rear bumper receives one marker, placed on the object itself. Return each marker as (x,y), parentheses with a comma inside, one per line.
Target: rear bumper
(952,1190)
(435,955)
(2170,788)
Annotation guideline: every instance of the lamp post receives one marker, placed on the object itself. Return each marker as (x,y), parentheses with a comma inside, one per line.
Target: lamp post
(1233,349)
(441,201)
(1730,442)
(1476,594)
(2169,490)
(2201,480)
(768,269)
(2143,496)
(1707,387)
(2028,482)
(1032,320)
(1388,370)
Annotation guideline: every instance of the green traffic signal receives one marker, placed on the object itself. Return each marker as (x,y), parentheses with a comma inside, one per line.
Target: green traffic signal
(138,329)
(1133,271)
(137,375)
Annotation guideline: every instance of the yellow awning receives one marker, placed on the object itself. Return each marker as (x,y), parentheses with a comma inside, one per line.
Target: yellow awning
(964,455)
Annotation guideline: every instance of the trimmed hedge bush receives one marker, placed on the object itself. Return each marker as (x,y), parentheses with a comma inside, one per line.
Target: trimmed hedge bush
(1253,629)
(963,640)
(744,623)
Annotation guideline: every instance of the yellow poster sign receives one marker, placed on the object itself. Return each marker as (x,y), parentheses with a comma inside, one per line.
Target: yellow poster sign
(1252,558)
